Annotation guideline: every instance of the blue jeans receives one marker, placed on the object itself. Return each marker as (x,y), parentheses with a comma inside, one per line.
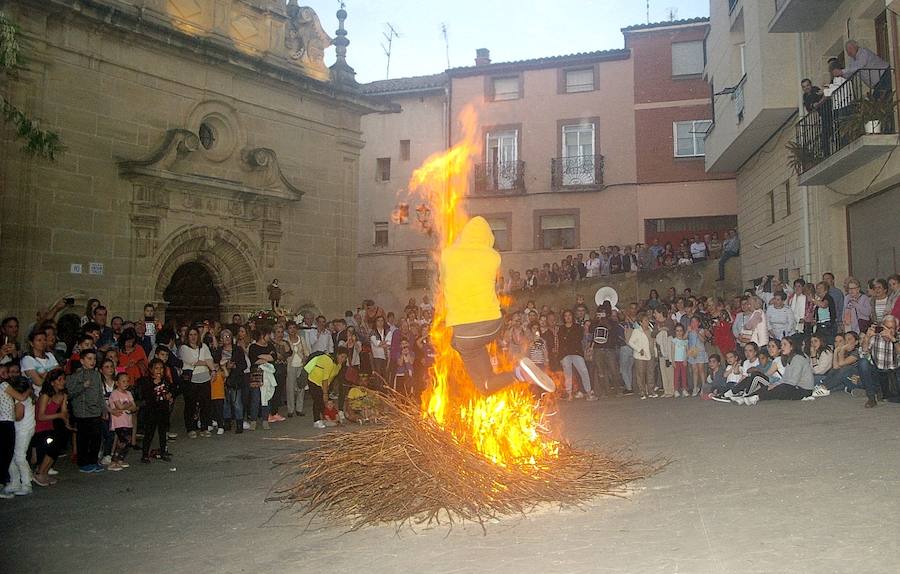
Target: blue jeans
(234,404)
(871,377)
(840,379)
(626,362)
(724,259)
(257,409)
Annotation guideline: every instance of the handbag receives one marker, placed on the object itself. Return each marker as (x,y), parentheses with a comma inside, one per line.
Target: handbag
(256,379)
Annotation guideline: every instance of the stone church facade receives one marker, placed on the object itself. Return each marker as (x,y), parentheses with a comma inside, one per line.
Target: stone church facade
(203,135)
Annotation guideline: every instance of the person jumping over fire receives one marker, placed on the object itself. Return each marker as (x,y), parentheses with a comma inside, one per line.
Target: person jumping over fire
(468,271)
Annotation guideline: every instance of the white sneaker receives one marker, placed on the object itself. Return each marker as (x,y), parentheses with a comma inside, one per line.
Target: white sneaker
(215,424)
(52,472)
(592,397)
(821,391)
(341,416)
(728,394)
(696,391)
(319,424)
(738,400)
(10,490)
(750,401)
(220,431)
(809,398)
(246,425)
(579,395)
(171,435)
(536,375)
(106,460)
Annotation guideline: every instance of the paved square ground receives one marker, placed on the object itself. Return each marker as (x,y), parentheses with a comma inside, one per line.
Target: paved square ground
(789,487)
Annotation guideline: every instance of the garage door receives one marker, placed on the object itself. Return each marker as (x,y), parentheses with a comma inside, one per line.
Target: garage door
(874,226)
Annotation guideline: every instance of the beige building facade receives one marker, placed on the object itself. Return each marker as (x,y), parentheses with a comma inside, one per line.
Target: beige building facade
(816,191)
(208,151)
(578,151)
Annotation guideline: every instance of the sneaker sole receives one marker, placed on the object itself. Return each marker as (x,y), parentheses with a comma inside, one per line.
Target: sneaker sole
(537,376)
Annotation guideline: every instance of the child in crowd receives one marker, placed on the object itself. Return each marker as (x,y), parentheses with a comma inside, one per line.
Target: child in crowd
(19,470)
(157,393)
(217,400)
(359,404)
(121,421)
(9,397)
(87,404)
(715,379)
(679,360)
(330,414)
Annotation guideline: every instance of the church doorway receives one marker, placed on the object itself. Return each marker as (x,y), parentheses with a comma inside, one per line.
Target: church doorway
(192,295)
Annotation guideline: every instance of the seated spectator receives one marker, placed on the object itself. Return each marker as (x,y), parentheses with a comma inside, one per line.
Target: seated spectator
(880,360)
(796,384)
(844,372)
(731,248)
(698,250)
(713,244)
(820,357)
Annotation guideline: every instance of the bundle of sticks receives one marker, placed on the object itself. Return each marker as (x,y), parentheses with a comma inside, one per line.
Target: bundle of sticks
(410,471)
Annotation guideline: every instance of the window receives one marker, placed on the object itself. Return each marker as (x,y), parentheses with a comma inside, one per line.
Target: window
(404,150)
(578,154)
(772,207)
(500,227)
(558,231)
(383,169)
(381,233)
(400,214)
(420,272)
(506,88)
(787,197)
(690,137)
(579,80)
(687,58)
(501,156)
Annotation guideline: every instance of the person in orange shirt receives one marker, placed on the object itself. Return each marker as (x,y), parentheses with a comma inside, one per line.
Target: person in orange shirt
(468,271)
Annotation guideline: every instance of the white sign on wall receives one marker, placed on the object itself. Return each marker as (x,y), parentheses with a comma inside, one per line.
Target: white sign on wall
(95,268)
(75,268)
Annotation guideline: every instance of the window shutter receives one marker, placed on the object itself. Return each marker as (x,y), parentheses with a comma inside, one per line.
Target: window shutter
(687,58)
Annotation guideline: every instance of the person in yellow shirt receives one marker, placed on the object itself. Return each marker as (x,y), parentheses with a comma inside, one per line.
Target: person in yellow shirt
(321,370)
(468,271)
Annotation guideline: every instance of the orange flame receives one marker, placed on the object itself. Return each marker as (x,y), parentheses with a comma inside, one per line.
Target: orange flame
(506,426)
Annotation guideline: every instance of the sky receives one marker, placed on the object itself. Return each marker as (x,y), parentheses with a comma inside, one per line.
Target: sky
(510,29)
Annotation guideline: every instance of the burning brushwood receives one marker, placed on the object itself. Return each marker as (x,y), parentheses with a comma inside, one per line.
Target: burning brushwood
(411,471)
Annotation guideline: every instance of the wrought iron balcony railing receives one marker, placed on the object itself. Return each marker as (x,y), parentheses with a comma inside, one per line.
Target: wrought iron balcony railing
(731,5)
(504,177)
(576,172)
(863,104)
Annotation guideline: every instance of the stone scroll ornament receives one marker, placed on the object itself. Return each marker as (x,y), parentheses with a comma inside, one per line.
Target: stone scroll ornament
(306,40)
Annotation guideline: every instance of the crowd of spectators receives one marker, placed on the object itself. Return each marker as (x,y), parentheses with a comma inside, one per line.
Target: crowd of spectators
(112,385)
(612,260)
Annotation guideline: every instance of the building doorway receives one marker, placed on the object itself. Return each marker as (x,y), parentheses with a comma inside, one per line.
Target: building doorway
(874,235)
(192,295)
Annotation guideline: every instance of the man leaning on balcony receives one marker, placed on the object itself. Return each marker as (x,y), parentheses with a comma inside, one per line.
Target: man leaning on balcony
(876,73)
(731,248)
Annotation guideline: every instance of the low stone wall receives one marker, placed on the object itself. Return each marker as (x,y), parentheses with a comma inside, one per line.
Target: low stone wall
(700,277)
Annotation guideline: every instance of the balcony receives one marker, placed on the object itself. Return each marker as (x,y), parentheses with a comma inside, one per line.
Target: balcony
(854,125)
(801,15)
(499,178)
(576,173)
(737,96)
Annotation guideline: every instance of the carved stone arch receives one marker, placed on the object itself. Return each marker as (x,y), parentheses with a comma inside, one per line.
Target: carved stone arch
(228,256)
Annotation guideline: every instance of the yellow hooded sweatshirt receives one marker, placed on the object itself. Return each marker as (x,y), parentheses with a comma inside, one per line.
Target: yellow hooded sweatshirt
(469,272)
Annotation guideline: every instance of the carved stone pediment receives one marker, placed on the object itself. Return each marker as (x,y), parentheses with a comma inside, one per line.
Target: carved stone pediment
(182,159)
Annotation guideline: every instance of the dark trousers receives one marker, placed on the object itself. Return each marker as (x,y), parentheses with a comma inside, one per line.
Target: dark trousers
(471,342)
(89,438)
(7,446)
(51,443)
(875,381)
(315,391)
(606,369)
(782,393)
(157,420)
(723,260)
(217,407)
(124,444)
(196,403)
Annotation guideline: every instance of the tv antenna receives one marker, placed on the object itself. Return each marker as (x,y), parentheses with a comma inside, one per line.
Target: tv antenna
(389,36)
(648,11)
(446,42)
(673,14)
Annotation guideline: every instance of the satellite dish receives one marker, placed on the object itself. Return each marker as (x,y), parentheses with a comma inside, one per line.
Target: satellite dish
(605,294)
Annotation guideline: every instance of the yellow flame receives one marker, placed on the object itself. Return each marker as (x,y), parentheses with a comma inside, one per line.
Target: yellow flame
(504,426)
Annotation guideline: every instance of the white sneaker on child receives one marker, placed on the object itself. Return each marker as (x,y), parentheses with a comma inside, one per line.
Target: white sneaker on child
(106,460)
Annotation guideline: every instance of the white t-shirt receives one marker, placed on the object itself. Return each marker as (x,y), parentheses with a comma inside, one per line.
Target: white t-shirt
(593,267)
(26,425)
(698,250)
(40,366)
(747,365)
(7,404)
(379,346)
(190,357)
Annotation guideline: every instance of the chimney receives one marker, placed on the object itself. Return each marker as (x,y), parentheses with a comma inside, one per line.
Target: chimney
(482,57)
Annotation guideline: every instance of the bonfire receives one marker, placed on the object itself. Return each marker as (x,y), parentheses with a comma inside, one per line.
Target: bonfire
(458,455)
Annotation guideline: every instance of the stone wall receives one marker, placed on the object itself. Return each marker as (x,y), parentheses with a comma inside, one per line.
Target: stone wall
(701,278)
(275,194)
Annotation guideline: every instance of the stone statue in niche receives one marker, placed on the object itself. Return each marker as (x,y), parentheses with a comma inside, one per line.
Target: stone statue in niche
(305,38)
(274,292)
